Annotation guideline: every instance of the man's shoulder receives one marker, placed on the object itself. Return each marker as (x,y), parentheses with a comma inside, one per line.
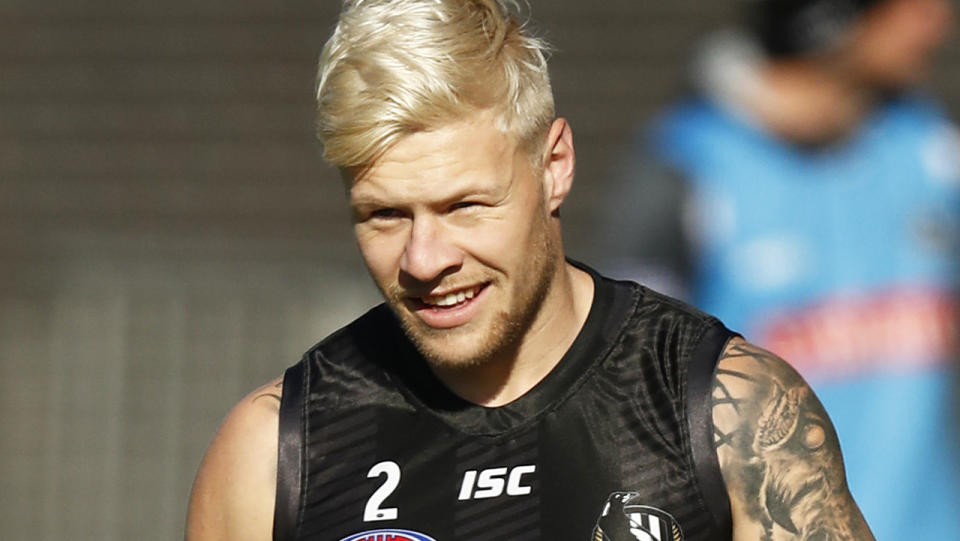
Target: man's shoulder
(672,330)
(233,493)
(657,305)
(649,306)
(358,337)
(778,451)
(368,361)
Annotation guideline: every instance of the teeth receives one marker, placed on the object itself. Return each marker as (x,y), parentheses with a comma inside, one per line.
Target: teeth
(451,299)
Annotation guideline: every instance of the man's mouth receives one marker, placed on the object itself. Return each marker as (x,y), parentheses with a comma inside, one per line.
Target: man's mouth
(449,307)
(452,298)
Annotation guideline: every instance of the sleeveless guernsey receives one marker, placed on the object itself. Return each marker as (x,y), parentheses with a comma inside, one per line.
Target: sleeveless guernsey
(615,444)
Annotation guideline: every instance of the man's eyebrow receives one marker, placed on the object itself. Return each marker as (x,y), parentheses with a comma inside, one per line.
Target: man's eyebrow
(364,199)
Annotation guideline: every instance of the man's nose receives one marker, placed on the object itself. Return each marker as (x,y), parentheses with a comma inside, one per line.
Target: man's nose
(429,253)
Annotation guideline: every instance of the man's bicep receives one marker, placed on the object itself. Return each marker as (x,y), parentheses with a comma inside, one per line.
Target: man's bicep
(779,453)
(235,489)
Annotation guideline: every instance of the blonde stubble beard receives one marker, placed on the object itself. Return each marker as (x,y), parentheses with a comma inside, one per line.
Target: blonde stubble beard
(508,327)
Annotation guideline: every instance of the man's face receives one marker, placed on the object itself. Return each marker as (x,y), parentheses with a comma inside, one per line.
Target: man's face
(454,227)
(895,42)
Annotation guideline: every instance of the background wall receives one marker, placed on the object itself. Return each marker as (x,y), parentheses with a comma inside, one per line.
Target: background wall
(169,237)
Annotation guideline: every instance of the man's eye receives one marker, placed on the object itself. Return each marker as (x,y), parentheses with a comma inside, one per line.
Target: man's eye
(463,205)
(385,213)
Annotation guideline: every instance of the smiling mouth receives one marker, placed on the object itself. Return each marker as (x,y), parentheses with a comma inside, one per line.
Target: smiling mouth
(451,299)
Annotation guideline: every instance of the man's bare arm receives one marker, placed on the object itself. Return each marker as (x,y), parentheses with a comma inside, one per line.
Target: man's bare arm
(779,453)
(234,493)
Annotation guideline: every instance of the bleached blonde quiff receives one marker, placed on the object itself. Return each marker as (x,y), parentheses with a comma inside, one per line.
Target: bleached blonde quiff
(396,67)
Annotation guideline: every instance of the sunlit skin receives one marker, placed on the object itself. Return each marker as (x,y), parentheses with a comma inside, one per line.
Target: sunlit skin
(464,209)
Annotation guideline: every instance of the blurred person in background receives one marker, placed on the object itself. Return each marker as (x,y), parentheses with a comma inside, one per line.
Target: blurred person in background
(810,196)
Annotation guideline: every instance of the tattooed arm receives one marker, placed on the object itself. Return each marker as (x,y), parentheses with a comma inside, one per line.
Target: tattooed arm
(235,489)
(779,453)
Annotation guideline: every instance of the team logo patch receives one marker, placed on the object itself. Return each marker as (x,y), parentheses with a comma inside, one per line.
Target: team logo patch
(624,519)
(388,535)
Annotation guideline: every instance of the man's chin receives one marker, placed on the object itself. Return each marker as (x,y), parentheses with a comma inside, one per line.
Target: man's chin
(450,352)
(470,345)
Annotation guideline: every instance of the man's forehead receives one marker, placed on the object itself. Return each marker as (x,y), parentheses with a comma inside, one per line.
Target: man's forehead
(392,186)
(466,152)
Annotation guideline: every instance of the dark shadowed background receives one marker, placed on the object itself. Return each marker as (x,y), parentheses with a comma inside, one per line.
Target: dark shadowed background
(169,237)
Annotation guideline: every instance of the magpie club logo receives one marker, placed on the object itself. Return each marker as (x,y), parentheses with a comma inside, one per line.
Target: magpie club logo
(624,519)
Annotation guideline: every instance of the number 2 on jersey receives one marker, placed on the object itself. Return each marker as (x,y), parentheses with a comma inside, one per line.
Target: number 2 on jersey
(373,512)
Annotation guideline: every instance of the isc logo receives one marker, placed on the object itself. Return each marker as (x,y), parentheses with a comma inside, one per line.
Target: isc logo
(491,483)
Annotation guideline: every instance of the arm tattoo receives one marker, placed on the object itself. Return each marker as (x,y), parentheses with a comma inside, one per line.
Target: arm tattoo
(272,393)
(779,451)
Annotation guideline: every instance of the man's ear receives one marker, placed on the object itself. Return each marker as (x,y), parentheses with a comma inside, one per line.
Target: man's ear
(559,163)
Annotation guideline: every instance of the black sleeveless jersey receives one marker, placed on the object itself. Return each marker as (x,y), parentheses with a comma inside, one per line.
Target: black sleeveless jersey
(615,444)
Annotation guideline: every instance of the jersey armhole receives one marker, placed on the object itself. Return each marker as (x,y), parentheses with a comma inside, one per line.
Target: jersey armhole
(700,370)
(290,447)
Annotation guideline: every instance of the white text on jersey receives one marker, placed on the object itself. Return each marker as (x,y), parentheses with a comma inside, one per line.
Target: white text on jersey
(490,483)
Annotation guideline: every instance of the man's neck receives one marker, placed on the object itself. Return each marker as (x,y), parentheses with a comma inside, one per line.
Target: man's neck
(558,322)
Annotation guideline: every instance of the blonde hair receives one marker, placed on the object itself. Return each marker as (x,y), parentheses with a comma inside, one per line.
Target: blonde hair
(396,67)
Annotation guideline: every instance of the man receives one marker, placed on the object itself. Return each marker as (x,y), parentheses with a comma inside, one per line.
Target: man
(826,220)
(502,392)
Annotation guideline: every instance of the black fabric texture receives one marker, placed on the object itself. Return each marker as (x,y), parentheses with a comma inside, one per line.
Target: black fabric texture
(700,374)
(611,419)
(290,455)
